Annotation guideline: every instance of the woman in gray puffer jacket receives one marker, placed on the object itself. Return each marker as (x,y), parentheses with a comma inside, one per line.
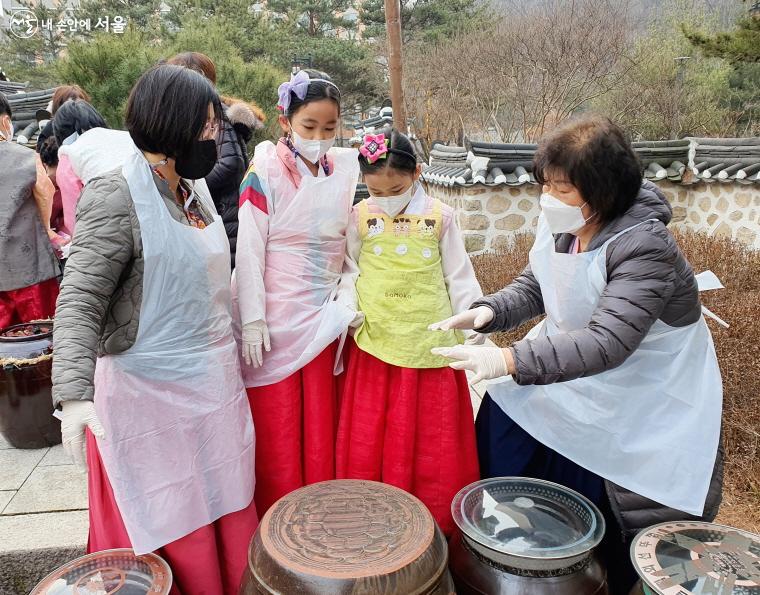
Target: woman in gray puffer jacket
(619,385)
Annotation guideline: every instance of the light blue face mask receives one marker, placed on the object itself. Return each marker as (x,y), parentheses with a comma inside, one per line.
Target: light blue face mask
(70,139)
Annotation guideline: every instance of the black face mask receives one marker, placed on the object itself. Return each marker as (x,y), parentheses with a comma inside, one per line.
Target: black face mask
(197,161)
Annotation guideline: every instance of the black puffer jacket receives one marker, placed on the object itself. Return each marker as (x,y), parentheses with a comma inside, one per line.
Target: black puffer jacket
(224,180)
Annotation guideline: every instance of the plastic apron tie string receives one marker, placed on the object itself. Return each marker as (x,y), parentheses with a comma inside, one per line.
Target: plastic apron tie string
(708,281)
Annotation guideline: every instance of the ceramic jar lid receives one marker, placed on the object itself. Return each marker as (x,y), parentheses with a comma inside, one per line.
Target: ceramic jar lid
(528,523)
(695,558)
(111,572)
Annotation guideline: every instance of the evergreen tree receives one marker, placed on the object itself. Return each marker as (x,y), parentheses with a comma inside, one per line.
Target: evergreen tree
(426,20)
(742,45)
(316,18)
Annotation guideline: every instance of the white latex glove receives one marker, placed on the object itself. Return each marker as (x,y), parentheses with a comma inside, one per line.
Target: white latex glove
(469,320)
(255,335)
(474,338)
(357,321)
(76,416)
(485,361)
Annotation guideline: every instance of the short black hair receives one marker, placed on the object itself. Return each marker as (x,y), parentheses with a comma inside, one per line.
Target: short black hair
(49,152)
(404,161)
(597,158)
(5,107)
(167,109)
(75,115)
(318,90)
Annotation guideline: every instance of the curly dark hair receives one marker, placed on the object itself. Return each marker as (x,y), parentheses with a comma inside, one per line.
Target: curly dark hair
(75,115)
(597,158)
(5,106)
(49,152)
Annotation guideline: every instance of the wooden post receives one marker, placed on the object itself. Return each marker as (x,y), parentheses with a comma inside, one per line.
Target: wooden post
(393,26)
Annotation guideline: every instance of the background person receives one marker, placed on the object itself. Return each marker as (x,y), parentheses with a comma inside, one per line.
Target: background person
(28,265)
(238,124)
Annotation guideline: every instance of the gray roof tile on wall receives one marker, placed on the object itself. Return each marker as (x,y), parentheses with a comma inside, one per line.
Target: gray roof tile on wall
(682,161)
(24,107)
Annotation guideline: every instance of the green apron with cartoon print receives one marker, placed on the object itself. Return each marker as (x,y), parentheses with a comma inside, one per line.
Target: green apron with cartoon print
(402,290)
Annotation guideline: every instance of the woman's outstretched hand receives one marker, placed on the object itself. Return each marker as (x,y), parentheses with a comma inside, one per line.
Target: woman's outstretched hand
(485,361)
(470,320)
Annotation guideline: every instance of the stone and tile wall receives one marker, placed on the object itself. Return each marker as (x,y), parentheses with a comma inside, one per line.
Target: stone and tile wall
(489,216)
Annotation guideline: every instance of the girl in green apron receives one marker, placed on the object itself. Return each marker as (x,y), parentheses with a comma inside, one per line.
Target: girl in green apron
(406,417)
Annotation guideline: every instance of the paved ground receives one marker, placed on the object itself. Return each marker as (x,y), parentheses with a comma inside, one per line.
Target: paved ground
(43,512)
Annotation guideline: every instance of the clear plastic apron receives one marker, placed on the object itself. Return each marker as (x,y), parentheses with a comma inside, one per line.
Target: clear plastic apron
(179,446)
(652,424)
(305,251)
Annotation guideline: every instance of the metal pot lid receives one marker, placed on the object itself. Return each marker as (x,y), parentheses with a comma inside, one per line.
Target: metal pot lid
(528,518)
(117,572)
(695,558)
(29,340)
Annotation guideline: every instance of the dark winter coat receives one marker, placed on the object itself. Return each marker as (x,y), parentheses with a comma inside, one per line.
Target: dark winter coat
(224,181)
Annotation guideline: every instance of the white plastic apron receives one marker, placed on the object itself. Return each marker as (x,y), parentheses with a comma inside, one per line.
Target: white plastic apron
(652,424)
(179,449)
(305,251)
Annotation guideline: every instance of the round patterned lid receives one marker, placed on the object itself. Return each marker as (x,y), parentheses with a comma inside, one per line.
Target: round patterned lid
(346,529)
(111,572)
(695,558)
(528,521)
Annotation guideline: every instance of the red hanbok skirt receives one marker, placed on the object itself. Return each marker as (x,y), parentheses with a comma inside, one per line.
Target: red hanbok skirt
(209,560)
(411,428)
(295,421)
(35,302)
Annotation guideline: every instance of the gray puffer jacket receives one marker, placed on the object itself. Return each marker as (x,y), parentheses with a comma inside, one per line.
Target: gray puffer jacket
(648,279)
(98,308)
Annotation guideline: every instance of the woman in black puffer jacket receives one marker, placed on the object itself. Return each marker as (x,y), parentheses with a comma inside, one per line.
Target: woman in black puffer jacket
(239,122)
(224,181)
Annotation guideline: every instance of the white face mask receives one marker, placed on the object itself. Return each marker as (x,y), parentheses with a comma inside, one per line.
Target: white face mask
(562,218)
(393,205)
(311,150)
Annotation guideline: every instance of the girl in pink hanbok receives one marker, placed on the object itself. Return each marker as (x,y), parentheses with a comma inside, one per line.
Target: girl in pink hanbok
(295,203)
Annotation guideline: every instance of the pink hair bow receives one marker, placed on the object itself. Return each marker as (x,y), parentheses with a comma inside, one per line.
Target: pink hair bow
(375,147)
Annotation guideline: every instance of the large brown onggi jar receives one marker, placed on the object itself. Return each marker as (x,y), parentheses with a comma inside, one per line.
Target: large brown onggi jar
(526,536)
(26,407)
(348,536)
(696,558)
